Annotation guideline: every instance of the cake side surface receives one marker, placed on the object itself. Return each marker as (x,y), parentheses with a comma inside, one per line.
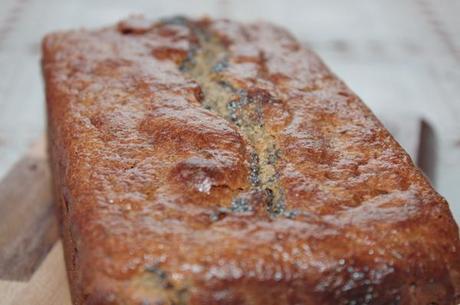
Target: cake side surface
(212,162)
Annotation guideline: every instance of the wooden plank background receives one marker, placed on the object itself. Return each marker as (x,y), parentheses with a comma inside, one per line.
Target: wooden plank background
(401,56)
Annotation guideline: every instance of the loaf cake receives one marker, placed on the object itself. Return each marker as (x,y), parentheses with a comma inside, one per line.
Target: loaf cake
(209,162)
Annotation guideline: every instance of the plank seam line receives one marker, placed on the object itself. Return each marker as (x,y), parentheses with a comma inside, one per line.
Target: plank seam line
(11,20)
(439,28)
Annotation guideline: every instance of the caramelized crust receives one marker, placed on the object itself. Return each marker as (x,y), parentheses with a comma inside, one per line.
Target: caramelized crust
(211,162)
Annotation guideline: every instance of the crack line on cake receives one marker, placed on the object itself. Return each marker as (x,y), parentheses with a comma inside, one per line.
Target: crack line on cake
(243,108)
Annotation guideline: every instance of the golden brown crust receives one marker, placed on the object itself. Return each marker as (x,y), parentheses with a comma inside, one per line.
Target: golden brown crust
(211,162)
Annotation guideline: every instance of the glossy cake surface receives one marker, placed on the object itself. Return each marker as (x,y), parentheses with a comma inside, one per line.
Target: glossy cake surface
(213,162)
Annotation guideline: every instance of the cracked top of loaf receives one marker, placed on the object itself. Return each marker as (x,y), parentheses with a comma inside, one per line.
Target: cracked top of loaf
(212,162)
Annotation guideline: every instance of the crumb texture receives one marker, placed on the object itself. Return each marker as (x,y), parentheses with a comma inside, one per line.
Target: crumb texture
(211,162)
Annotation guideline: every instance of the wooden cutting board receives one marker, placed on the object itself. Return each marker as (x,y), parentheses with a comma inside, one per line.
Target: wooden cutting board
(32,267)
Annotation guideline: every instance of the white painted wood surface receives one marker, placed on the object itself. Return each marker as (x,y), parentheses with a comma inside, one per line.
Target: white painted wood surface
(401,56)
